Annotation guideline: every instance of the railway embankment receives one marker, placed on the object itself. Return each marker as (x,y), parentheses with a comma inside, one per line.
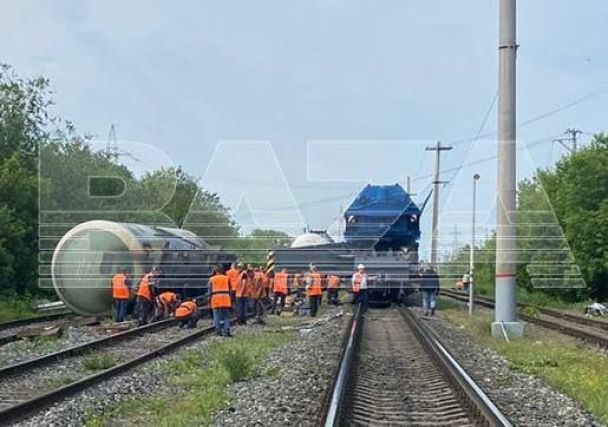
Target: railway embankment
(546,378)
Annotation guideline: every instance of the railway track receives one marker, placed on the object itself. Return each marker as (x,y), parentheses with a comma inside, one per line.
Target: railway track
(394,371)
(10,331)
(592,331)
(30,386)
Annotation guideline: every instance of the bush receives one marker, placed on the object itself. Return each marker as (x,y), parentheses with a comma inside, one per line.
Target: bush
(238,363)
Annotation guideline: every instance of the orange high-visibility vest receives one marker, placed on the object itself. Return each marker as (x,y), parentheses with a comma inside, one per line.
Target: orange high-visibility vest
(257,287)
(244,288)
(220,291)
(265,280)
(144,288)
(167,298)
(357,278)
(120,290)
(185,310)
(315,288)
(233,278)
(280,283)
(333,282)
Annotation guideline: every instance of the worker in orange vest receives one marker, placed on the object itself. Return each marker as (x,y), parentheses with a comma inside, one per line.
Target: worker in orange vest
(359,282)
(234,273)
(146,292)
(280,290)
(314,289)
(166,303)
(333,288)
(257,297)
(220,301)
(187,314)
(121,292)
(243,294)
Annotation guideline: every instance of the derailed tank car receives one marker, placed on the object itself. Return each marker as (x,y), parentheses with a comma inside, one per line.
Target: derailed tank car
(382,232)
(89,254)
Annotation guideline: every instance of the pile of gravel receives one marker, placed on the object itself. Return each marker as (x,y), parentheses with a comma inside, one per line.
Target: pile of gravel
(523,398)
(301,375)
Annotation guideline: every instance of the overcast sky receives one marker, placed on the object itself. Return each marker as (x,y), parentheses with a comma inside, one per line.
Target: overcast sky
(330,94)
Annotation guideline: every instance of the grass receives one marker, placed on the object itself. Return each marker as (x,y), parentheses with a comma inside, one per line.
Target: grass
(15,307)
(56,382)
(538,299)
(99,362)
(198,381)
(570,367)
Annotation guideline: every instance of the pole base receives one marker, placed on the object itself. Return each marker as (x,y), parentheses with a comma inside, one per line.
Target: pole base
(511,329)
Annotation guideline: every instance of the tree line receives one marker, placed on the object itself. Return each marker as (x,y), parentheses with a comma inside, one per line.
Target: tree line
(562,227)
(45,187)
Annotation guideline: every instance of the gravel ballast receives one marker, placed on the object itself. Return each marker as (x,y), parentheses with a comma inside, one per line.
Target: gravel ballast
(295,394)
(146,379)
(525,399)
(258,402)
(26,349)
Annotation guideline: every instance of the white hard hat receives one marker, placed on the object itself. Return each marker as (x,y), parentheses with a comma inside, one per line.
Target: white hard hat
(361,267)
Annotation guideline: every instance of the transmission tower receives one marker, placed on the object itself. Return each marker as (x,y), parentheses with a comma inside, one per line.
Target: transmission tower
(112,149)
(570,143)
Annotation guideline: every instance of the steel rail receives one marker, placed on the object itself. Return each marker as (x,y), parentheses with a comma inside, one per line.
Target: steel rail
(595,337)
(81,348)
(576,318)
(336,397)
(33,320)
(473,396)
(26,408)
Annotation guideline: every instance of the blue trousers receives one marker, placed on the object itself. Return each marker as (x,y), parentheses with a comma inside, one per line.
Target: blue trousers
(221,319)
(363,300)
(121,309)
(242,306)
(429,299)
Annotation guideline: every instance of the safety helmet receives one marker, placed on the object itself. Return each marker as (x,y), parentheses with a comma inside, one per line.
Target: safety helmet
(361,267)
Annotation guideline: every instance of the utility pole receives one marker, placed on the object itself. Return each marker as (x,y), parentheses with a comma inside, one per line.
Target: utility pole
(438,148)
(570,143)
(505,315)
(472,248)
(408,185)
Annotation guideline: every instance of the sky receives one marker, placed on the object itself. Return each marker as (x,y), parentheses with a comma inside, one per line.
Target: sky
(286,109)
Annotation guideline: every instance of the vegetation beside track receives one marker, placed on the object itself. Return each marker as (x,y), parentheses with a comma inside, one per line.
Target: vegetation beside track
(14,307)
(197,383)
(574,369)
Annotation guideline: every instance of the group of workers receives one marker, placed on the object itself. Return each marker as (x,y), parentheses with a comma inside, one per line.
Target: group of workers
(237,291)
(240,290)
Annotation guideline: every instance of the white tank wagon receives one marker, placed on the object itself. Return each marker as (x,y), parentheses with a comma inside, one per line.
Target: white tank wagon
(89,254)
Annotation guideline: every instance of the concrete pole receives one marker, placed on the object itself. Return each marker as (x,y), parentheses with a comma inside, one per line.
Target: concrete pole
(472,248)
(506,296)
(438,148)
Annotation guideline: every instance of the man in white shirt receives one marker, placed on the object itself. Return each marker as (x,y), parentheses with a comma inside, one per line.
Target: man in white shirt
(359,282)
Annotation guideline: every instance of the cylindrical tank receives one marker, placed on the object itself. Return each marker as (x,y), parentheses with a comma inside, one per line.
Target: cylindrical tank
(89,254)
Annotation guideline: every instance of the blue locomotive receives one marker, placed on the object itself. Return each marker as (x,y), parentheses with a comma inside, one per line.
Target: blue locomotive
(382,231)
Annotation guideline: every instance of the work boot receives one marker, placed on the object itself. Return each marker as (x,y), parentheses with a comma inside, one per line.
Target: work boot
(432,311)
